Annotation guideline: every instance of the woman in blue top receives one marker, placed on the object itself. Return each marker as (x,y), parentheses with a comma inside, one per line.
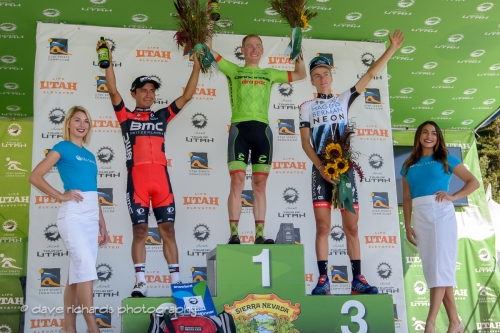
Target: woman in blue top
(80,218)
(426,179)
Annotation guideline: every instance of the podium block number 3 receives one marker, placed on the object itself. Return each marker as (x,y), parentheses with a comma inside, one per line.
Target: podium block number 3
(358,319)
(263,258)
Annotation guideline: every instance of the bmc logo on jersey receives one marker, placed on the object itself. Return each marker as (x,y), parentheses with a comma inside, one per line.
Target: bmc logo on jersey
(140,126)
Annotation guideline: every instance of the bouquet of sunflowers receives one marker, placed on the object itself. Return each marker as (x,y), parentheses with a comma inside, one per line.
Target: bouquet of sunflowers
(338,158)
(294,12)
(194,30)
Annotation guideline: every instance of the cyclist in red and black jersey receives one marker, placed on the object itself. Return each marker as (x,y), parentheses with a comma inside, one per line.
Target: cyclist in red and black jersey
(143,133)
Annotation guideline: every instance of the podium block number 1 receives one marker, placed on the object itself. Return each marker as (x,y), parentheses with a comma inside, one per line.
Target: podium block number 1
(358,319)
(263,258)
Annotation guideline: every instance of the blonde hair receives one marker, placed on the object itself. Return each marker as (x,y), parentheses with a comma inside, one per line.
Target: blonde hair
(250,36)
(71,113)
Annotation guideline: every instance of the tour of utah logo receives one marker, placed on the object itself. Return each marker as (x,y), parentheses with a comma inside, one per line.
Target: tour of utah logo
(264,313)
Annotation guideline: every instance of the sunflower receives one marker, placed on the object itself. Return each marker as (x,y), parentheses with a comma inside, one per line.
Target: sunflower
(342,165)
(333,151)
(303,18)
(331,171)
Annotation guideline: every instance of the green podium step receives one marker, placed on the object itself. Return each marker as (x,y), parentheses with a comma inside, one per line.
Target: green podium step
(263,287)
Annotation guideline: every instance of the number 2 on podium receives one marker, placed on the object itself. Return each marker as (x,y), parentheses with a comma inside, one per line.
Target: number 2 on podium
(263,258)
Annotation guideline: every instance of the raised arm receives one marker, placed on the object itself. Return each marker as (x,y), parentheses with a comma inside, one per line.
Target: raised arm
(37,179)
(115,96)
(396,41)
(299,72)
(191,85)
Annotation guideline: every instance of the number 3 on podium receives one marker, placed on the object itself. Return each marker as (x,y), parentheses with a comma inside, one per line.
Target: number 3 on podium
(358,319)
(263,258)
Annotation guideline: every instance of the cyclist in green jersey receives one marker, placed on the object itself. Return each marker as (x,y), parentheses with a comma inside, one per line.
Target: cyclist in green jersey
(250,90)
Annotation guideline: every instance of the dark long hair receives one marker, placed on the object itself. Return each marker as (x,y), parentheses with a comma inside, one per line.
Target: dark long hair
(440,151)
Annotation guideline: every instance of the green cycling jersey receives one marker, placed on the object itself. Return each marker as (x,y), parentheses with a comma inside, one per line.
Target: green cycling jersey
(250,89)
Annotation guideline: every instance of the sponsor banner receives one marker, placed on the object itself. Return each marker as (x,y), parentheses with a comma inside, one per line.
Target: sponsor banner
(195,147)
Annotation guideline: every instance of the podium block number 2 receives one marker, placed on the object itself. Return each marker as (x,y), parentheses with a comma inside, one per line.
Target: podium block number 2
(263,258)
(358,319)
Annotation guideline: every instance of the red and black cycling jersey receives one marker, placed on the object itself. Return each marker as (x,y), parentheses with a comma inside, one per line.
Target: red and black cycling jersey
(143,133)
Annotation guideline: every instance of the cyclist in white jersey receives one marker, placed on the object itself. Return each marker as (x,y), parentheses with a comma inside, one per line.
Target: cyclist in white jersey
(326,117)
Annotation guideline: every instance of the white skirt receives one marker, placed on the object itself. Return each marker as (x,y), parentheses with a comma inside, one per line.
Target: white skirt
(435,226)
(78,225)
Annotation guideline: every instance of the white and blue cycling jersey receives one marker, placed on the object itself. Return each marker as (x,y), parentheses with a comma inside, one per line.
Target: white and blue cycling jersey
(326,117)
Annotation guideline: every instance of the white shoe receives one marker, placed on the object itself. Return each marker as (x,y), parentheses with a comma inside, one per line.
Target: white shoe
(140,290)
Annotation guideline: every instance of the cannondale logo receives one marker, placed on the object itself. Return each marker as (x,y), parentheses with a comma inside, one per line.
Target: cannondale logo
(455,38)
(447,112)
(105,155)
(56,116)
(51,12)
(271,11)
(201,232)
(285,89)
(429,101)
(224,23)
(408,49)
(52,233)
(367,59)
(467,122)
(375,161)
(407,90)
(489,101)
(450,79)
(104,272)
(98,2)
(140,18)
(337,233)
(405,3)
(484,7)
(354,16)
(290,195)
(484,255)
(420,287)
(433,20)
(7,26)
(199,120)
(409,120)
(14,129)
(470,91)
(384,270)
(238,54)
(13,108)
(477,53)
(8,59)
(381,33)
(431,65)
(495,67)
(9,226)
(11,85)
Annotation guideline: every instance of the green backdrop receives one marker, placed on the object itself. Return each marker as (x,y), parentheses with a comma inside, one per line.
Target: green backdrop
(447,70)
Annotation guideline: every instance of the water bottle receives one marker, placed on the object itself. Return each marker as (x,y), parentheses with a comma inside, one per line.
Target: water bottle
(214,10)
(103,54)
